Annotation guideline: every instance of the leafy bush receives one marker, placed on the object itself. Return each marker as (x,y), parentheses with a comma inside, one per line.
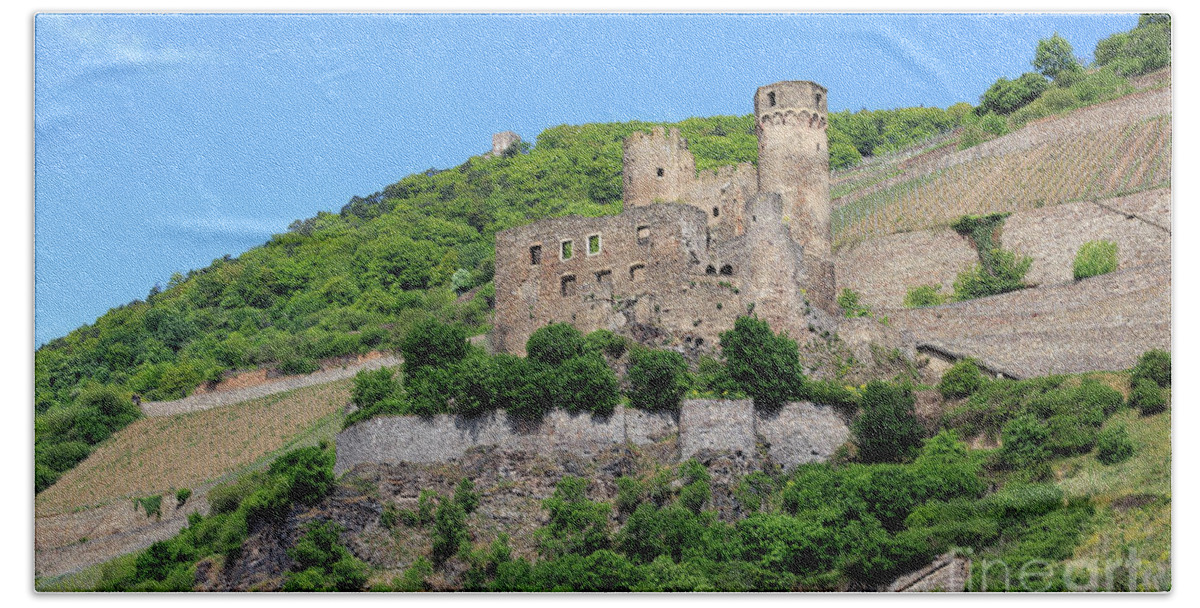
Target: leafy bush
(584,384)
(961,380)
(1143,49)
(431,343)
(415,577)
(449,530)
(321,563)
(697,488)
(1153,365)
(764,365)
(1095,258)
(887,429)
(921,296)
(577,525)
(292,366)
(521,386)
(1114,445)
(1024,442)
(1006,273)
(63,456)
(1147,397)
(605,341)
(830,392)
(657,378)
(181,496)
(555,344)
(1006,96)
(851,305)
(373,386)
(466,496)
(631,491)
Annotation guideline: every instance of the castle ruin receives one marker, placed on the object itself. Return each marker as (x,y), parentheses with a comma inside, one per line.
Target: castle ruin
(691,252)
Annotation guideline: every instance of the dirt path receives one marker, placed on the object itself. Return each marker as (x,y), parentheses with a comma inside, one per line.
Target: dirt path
(220,398)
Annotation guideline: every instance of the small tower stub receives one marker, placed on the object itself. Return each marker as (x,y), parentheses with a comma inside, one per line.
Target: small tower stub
(503,141)
(658,167)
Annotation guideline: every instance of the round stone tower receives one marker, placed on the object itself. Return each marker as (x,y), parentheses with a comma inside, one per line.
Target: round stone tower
(793,159)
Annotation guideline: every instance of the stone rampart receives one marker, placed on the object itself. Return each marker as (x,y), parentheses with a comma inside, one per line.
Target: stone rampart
(797,433)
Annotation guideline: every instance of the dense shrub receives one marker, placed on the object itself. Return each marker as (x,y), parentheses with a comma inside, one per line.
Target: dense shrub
(576,525)
(764,365)
(1114,445)
(584,384)
(1147,397)
(1006,96)
(431,343)
(605,341)
(373,386)
(1153,365)
(181,496)
(657,378)
(961,380)
(924,295)
(1143,49)
(1095,258)
(466,496)
(697,488)
(887,430)
(851,304)
(1024,442)
(321,563)
(521,386)
(449,530)
(556,343)
(1005,273)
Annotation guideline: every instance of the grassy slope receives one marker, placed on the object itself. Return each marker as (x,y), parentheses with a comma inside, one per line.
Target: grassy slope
(154,455)
(1132,498)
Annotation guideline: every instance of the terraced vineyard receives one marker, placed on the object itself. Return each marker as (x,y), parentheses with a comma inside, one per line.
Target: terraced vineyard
(1097,164)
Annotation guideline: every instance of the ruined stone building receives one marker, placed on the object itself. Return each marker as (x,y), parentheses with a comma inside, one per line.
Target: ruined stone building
(691,252)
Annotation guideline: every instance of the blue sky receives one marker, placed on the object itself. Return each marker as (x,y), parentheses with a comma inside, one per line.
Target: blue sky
(165,141)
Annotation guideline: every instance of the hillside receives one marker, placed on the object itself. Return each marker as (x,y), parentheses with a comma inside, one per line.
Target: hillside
(411,267)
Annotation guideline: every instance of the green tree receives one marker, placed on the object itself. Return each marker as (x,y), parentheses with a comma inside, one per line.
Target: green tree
(1024,442)
(763,364)
(554,344)
(432,343)
(1055,59)
(887,429)
(657,379)
(1006,96)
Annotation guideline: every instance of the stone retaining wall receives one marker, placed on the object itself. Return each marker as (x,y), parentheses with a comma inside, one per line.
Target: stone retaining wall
(797,433)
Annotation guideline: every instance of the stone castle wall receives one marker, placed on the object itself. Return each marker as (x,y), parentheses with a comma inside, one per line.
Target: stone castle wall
(797,433)
(881,270)
(655,265)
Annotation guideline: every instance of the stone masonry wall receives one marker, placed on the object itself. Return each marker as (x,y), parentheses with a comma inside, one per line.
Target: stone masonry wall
(656,265)
(797,433)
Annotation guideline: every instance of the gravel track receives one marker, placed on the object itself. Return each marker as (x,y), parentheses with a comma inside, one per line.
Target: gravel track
(207,401)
